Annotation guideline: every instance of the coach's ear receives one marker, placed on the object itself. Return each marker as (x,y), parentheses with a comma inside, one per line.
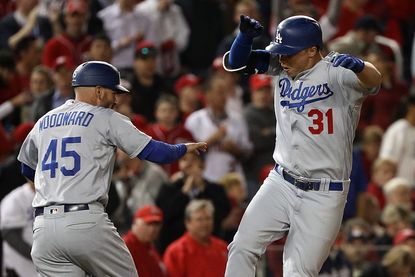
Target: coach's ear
(99,92)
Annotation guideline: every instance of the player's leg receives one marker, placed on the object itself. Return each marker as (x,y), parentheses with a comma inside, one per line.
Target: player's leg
(95,244)
(46,254)
(314,227)
(265,220)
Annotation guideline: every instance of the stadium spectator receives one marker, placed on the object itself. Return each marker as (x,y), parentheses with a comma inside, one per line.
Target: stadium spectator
(225,133)
(197,252)
(146,82)
(398,143)
(74,41)
(381,109)
(125,28)
(169,31)
(189,185)
(236,192)
(140,241)
(383,171)
(138,183)
(260,119)
(16,230)
(167,127)
(22,22)
(249,8)
(100,49)
(62,78)
(187,88)
(398,262)
(398,192)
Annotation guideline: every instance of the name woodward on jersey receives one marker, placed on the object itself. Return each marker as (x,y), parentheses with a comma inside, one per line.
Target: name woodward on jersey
(66,118)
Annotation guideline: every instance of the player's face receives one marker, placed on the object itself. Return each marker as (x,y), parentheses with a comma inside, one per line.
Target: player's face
(106,98)
(303,60)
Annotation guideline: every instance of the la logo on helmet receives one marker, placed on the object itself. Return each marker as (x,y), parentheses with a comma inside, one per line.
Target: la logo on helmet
(278,37)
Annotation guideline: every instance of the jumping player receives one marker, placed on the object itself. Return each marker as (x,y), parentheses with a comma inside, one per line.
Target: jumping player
(317,104)
(70,154)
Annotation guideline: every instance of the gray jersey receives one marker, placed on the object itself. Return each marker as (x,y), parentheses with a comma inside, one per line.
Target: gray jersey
(317,114)
(73,151)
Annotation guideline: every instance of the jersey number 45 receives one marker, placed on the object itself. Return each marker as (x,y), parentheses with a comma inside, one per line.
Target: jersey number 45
(51,162)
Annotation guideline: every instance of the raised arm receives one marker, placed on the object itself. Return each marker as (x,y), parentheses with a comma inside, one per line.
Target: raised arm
(241,57)
(366,72)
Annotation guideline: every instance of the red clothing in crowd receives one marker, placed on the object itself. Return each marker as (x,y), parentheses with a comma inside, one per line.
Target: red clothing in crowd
(63,45)
(175,135)
(377,192)
(347,20)
(146,257)
(381,108)
(186,257)
(11,89)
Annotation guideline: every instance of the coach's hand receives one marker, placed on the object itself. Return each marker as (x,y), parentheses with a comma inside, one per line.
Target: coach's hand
(249,26)
(196,147)
(348,61)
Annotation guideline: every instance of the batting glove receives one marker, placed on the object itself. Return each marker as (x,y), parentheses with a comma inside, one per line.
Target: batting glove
(250,27)
(348,61)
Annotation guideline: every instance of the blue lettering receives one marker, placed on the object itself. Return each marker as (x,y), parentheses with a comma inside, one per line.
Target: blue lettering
(46,122)
(66,118)
(72,118)
(52,120)
(87,119)
(79,118)
(59,119)
(301,96)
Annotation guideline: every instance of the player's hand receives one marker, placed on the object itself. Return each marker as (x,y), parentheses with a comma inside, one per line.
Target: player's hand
(249,26)
(348,61)
(196,147)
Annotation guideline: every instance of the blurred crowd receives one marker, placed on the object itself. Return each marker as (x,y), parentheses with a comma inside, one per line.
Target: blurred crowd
(177,219)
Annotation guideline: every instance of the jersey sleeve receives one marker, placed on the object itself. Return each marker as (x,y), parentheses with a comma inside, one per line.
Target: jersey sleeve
(123,134)
(348,84)
(29,150)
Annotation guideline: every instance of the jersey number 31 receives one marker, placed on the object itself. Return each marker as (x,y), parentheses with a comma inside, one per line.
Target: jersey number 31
(50,162)
(318,121)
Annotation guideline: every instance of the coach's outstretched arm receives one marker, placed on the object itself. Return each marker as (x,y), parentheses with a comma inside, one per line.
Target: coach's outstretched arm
(367,74)
(160,152)
(241,57)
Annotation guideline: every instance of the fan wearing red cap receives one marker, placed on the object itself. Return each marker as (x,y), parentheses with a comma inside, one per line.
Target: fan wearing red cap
(187,88)
(62,77)
(73,42)
(260,119)
(140,239)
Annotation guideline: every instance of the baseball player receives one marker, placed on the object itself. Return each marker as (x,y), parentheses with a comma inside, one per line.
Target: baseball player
(317,104)
(70,155)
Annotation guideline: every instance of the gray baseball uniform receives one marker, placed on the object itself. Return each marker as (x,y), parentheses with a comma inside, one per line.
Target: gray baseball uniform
(73,149)
(317,113)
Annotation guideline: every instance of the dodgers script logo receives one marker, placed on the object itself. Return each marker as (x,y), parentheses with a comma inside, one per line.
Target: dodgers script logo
(302,96)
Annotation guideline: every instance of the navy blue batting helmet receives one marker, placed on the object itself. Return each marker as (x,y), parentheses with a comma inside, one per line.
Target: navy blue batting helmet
(295,34)
(95,73)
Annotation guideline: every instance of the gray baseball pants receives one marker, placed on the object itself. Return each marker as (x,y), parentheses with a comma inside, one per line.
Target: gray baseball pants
(311,218)
(79,243)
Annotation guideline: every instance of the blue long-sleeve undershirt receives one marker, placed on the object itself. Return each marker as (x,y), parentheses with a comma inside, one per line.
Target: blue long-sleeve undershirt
(160,152)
